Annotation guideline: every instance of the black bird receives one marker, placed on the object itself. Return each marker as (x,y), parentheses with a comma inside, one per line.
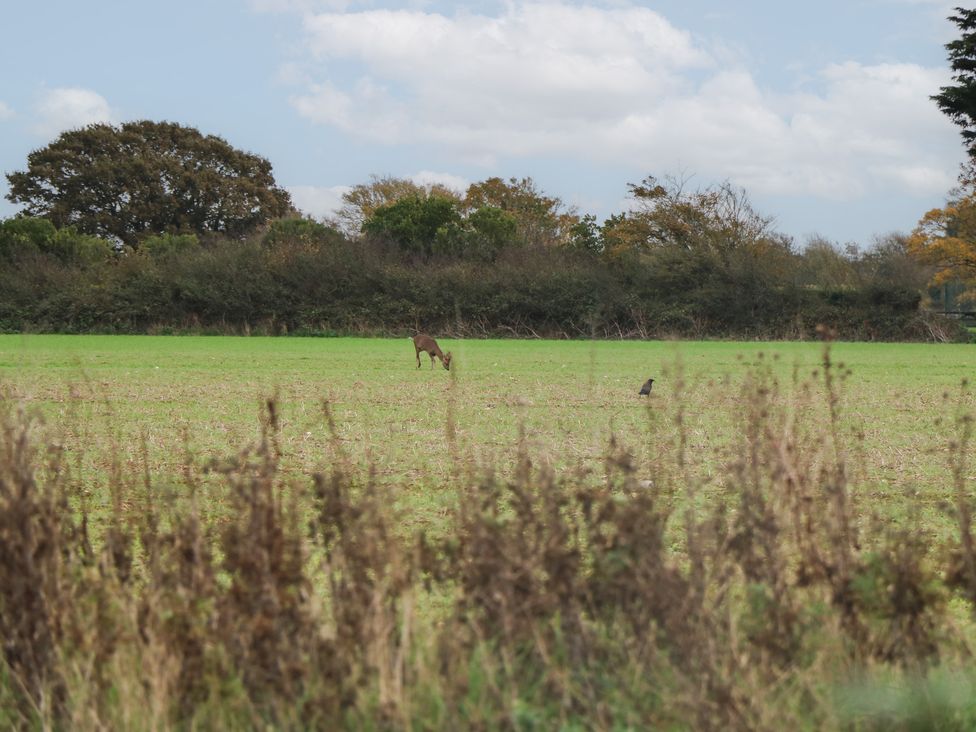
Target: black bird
(646,389)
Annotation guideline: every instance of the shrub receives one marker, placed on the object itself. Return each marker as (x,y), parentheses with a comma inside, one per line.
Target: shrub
(169,245)
(300,232)
(470,277)
(22,236)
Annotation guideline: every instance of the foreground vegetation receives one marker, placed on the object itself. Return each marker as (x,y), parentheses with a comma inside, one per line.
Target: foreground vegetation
(646,586)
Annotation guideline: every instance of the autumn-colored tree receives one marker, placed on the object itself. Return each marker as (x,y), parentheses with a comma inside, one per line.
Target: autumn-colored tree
(828,265)
(540,220)
(364,199)
(586,235)
(946,238)
(716,222)
(888,262)
(624,233)
(143,178)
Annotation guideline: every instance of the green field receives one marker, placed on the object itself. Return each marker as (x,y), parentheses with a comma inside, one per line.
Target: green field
(775,539)
(110,395)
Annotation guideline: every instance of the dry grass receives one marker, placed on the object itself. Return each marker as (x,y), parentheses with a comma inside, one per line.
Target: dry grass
(647,590)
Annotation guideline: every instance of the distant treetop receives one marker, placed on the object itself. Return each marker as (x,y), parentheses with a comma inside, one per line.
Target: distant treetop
(958,100)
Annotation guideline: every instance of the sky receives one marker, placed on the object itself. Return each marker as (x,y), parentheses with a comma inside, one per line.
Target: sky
(821,112)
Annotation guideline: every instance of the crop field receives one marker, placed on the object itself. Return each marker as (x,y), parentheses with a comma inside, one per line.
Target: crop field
(213,532)
(161,399)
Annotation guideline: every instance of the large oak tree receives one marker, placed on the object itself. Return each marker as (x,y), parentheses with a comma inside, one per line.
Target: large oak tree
(143,178)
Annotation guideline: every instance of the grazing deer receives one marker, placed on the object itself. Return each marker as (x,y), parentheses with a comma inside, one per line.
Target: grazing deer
(429,346)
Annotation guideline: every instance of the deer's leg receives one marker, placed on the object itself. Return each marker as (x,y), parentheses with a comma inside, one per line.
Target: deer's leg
(418,356)
(432,362)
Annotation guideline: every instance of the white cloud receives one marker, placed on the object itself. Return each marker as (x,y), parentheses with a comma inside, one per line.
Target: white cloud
(876,126)
(946,4)
(367,109)
(68,108)
(452,182)
(302,6)
(5,111)
(621,85)
(531,80)
(317,201)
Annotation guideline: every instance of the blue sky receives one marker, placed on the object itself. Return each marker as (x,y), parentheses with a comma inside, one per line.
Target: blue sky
(821,111)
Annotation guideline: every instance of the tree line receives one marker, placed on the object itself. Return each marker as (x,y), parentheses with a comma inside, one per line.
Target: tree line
(156,227)
(298,276)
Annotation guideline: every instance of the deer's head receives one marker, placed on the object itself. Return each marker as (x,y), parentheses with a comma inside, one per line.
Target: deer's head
(447,360)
